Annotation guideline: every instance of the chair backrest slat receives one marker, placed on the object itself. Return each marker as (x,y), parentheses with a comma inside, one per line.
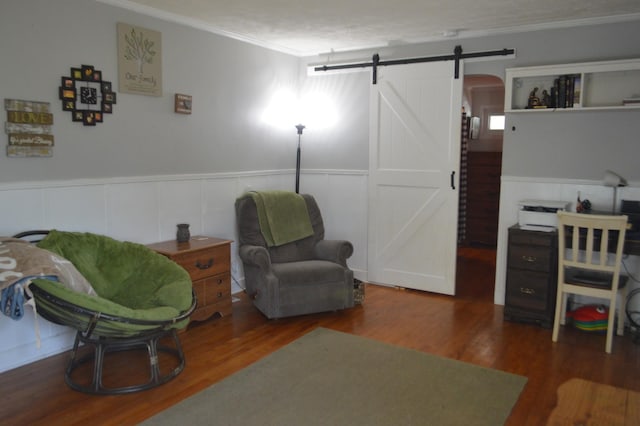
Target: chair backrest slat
(596,233)
(575,243)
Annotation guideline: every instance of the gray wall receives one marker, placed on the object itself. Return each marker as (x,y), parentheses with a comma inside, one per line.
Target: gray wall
(231,83)
(575,146)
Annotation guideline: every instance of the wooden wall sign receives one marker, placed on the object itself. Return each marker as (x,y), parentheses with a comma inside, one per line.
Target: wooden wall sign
(28,117)
(29,128)
(182,104)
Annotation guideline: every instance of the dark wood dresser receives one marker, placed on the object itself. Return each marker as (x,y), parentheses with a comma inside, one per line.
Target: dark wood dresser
(531,276)
(483,197)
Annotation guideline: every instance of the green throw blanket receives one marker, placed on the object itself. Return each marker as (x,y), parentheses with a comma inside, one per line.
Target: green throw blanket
(283,216)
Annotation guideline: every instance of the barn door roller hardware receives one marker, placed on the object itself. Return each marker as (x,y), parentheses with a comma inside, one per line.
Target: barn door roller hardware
(456,56)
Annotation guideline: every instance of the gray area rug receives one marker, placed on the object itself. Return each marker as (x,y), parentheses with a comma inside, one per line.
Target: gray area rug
(332,378)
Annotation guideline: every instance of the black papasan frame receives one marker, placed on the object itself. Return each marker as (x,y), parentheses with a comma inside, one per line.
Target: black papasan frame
(90,335)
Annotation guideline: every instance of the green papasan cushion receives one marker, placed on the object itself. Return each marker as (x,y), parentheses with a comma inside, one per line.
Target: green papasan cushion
(131,280)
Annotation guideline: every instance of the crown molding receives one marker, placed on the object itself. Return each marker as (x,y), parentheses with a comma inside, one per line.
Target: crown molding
(461,34)
(197,24)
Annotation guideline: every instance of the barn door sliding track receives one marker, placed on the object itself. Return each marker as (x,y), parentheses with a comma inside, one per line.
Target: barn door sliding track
(456,56)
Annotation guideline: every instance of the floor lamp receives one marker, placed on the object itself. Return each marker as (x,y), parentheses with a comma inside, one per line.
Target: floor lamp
(300,127)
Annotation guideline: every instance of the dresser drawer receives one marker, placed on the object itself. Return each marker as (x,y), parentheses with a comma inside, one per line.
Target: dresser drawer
(531,258)
(205,263)
(213,289)
(533,238)
(528,289)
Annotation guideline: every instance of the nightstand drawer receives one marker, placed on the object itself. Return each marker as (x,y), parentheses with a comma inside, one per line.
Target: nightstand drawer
(213,289)
(205,263)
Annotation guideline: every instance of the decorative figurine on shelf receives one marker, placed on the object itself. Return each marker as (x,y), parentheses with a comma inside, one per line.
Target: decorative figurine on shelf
(534,100)
(546,99)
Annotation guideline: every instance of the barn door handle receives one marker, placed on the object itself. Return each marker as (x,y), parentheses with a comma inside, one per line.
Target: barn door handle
(453,176)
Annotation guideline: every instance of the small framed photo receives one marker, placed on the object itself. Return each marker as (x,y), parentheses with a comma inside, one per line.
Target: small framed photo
(67,83)
(106,86)
(87,72)
(89,118)
(76,73)
(67,93)
(183,104)
(77,116)
(107,108)
(68,105)
(109,97)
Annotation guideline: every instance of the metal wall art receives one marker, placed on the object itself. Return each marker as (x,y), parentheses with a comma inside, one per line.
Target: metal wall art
(86,95)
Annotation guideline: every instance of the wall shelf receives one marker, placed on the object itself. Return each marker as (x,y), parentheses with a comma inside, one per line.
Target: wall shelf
(591,86)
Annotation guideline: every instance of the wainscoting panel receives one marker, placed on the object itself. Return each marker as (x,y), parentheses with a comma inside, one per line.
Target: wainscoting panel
(133,210)
(147,209)
(21,209)
(80,208)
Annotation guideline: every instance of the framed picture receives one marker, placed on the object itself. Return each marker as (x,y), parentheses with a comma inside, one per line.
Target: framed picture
(67,93)
(77,115)
(67,83)
(87,72)
(183,104)
(109,97)
(139,60)
(76,73)
(89,118)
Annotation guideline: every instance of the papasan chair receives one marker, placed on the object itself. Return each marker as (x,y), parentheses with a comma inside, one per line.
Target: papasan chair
(142,298)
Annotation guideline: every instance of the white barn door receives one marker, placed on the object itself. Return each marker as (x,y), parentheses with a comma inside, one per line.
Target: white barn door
(414,155)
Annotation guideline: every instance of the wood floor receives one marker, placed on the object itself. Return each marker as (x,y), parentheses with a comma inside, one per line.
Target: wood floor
(468,327)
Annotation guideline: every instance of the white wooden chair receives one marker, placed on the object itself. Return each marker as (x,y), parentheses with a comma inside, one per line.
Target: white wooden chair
(590,265)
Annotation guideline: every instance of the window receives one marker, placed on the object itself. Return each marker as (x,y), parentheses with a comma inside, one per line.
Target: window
(496,122)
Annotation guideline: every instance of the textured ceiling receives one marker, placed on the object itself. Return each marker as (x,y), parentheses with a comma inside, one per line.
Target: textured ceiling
(309,27)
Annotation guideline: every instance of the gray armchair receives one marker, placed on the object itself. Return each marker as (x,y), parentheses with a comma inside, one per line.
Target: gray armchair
(301,277)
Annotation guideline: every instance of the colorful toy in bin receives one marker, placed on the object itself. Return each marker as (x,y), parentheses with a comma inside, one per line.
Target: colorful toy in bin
(591,318)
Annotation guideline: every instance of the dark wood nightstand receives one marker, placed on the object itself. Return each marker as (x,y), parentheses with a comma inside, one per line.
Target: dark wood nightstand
(531,276)
(208,262)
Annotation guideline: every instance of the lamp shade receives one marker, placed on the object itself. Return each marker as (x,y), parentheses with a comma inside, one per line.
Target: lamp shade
(613,179)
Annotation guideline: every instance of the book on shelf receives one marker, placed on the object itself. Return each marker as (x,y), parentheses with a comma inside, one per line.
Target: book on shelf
(577,88)
(566,91)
